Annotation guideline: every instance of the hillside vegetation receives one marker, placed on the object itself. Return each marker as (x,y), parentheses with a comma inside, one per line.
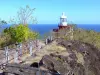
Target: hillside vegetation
(19,31)
(17,34)
(88,36)
(79,58)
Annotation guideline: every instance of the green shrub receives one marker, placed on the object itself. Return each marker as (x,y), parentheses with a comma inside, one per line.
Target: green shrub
(20,33)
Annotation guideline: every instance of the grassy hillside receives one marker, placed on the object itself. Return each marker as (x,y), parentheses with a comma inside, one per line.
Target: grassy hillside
(88,36)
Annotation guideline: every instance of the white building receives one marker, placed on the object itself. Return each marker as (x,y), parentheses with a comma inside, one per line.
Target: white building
(63,20)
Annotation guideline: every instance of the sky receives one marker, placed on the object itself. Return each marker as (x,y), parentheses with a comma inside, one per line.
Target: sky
(49,11)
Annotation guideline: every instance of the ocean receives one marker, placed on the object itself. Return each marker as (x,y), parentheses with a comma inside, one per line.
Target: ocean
(45,28)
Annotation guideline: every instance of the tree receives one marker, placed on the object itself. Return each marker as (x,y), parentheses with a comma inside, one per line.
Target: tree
(20,33)
(24,16)
(2,22)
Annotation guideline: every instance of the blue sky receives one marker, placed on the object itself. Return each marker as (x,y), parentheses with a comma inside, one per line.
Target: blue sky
(49,11)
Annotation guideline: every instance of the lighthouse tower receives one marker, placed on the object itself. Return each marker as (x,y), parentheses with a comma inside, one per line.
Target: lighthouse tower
(63,21)
(64,29)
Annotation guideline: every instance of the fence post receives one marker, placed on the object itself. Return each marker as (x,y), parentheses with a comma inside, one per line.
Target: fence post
(30,48)
(46,41)
(7,54)
(71,31)
(51,38)
(18,53)
(16,57)
(20,49)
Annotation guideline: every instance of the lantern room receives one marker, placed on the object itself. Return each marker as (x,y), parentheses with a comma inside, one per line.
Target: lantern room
(63,23)
(63,20)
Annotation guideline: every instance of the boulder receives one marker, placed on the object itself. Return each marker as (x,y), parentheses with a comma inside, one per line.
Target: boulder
(83,59)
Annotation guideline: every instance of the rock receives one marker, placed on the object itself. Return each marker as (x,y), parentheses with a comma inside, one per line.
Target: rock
(80,59)
(35,64)
(83,59)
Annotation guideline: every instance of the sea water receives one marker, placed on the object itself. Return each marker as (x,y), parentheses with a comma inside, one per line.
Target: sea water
(45,28)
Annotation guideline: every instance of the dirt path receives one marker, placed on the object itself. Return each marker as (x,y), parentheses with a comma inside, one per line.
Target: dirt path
(46,50)
(38,53)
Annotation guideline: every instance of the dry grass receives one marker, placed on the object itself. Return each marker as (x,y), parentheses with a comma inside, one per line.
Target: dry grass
(50,48)
(80,58)
(46,50)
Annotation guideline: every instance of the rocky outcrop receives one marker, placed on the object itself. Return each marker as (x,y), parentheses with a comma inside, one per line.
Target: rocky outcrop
(83,59)
(78,58)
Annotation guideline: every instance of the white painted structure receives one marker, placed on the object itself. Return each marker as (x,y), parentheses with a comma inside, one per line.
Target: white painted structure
(63,20)
(30,48)
(16,57)
(7,54)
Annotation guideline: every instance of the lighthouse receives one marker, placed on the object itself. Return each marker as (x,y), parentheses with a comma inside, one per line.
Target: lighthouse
(63,21)
(64,29)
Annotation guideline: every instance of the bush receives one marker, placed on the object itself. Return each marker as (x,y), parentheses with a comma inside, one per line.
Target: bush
(88,36)
(20,33)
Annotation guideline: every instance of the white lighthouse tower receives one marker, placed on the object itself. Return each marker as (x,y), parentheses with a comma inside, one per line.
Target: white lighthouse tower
(63,20)
(63,23)
(64,29)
